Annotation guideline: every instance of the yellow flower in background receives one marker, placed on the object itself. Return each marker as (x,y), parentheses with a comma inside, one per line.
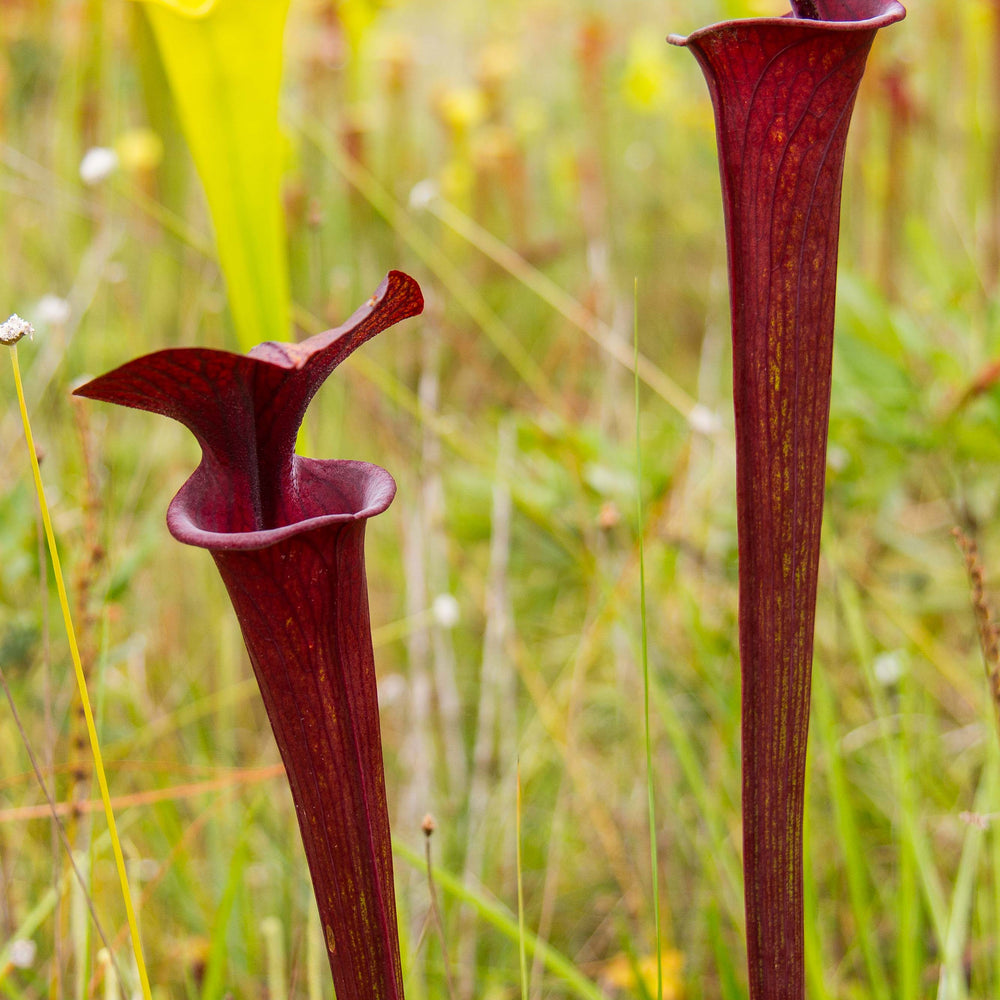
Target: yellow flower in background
(497,63)
(461,108)
(139,150)
(648,79)
(622,973)
(457,179)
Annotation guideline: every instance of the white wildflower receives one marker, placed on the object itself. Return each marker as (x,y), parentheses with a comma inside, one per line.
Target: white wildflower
(98,164)
(391,689)
(422,194)
(22,953)
(14,329)
(446,611)
(703,420)
(837,457)
(52,310)
(889,667)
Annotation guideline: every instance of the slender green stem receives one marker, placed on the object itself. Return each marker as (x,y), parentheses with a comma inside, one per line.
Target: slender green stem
(522,952)
(849,840)
(499,916)
(60,829)
(654,861)
(81,682)
(994,833)
(435,913)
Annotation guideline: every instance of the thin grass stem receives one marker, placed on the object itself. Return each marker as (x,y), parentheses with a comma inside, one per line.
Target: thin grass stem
(521,950)
(912,834)
(429,826)
(909,936)
(952,979)
(81,682)
(994,833)
(274,952)
(654,862)
(816,979)
(848,837)
(53,812)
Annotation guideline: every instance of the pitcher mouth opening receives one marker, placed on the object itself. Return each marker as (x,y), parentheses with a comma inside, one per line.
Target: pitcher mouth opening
(864,15)
(324,492)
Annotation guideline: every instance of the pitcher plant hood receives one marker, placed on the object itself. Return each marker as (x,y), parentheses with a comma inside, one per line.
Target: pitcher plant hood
(287,534)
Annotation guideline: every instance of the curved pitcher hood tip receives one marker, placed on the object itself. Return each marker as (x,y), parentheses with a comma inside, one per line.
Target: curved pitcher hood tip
(245,410)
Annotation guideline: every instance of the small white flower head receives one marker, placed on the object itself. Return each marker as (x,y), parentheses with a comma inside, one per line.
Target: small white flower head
(639,156)
(391,689)
(446,610)
(22,953)
(422,194)
(702,420)
(98,163)
(837,458)
(14,329)
(52,310)
(889,667)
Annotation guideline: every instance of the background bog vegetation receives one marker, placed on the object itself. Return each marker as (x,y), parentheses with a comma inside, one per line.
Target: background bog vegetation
(527,162)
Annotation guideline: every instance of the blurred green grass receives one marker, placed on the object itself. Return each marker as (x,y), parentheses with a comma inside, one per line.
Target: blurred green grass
(574,137)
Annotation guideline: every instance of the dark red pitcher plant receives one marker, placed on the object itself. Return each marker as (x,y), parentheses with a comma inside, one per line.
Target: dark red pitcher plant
(287,534)
(783,90)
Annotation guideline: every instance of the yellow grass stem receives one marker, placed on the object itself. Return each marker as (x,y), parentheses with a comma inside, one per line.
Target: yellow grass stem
(81,681)
(654,862)
(520,894)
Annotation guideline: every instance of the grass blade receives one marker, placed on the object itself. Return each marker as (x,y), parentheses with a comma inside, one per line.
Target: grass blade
(95,746)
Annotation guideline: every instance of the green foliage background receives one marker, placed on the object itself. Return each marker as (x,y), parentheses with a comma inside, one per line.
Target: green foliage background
(527,162)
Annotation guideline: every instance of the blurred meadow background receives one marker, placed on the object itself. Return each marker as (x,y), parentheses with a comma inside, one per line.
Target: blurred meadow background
(541,166)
